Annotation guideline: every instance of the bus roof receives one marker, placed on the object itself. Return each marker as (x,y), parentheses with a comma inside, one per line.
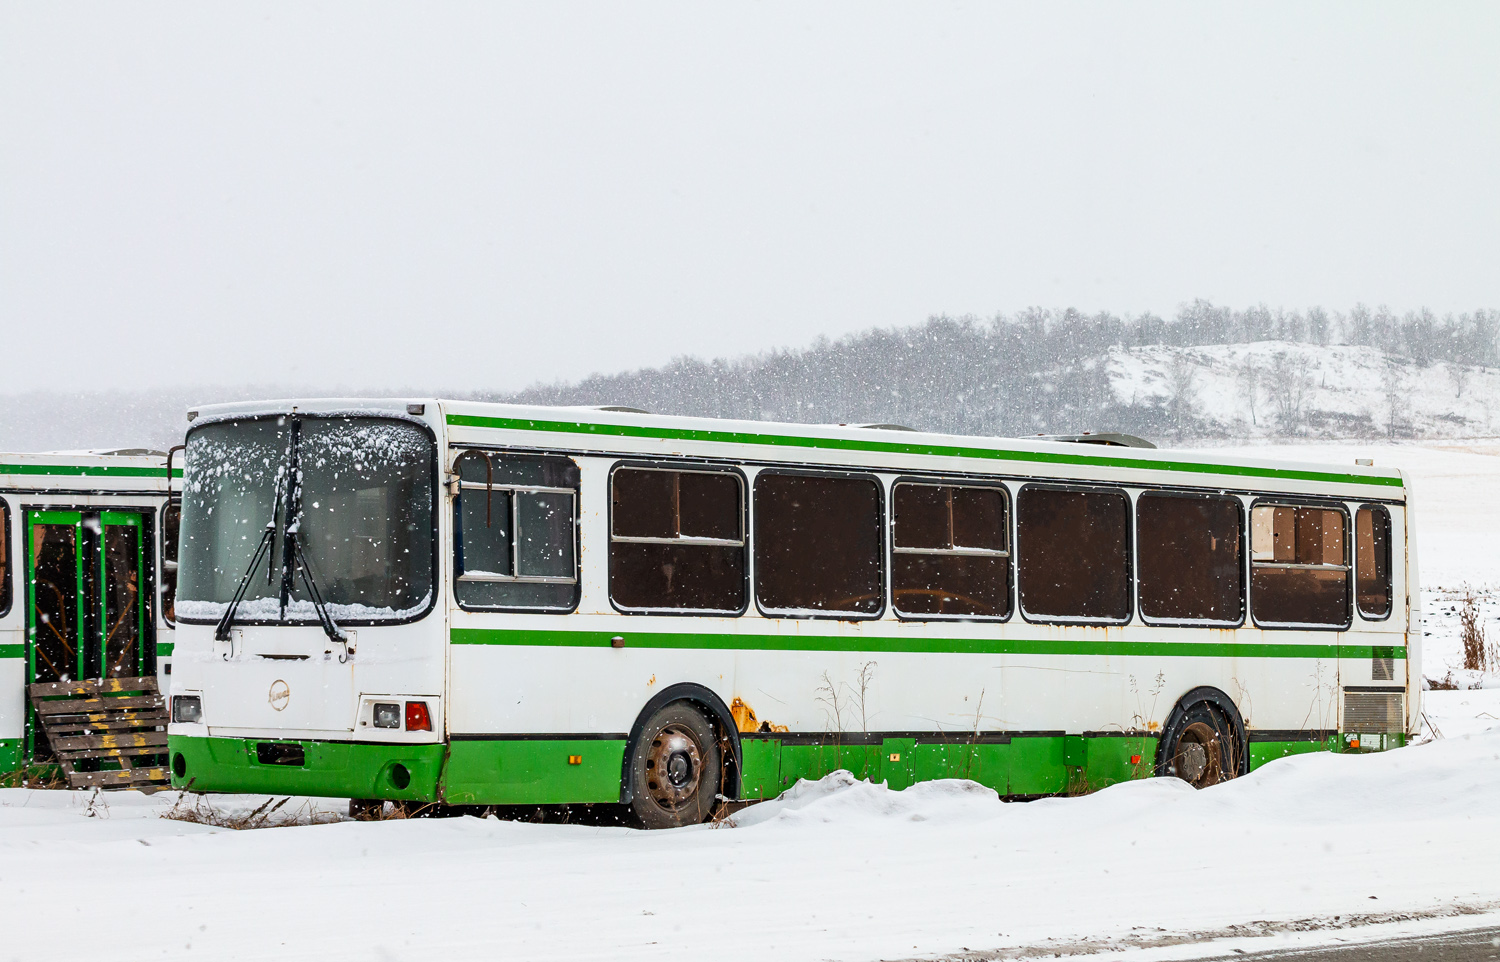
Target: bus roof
(625,431)
(133,469)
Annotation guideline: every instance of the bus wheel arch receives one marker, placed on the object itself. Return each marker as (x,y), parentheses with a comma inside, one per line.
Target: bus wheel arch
(1204,740)
(713,710)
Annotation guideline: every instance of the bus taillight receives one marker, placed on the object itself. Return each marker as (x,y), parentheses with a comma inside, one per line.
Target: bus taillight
(417,719)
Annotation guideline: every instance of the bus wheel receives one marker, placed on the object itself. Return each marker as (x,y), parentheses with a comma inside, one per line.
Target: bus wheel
(1200,746)
(675,768)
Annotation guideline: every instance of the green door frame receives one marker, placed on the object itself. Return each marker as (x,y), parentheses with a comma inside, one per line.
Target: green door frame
(94,555)
(126,519)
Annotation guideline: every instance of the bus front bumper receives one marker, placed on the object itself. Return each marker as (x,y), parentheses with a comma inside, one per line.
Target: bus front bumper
(299,767)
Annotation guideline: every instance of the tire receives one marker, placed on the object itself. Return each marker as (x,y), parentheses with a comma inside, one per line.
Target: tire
(1201,745)
(676,768)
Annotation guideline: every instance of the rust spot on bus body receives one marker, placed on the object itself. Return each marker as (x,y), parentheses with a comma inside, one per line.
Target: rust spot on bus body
(745,720)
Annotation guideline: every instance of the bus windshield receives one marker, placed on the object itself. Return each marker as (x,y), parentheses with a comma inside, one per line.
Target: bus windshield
(366,522)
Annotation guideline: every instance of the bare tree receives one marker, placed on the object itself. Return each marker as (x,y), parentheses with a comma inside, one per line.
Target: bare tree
(1393,385)
(1182,390)
(1288,383)
(1459,374)
(1248,379)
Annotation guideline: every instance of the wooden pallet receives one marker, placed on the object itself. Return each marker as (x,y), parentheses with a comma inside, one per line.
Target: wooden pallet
(116,720)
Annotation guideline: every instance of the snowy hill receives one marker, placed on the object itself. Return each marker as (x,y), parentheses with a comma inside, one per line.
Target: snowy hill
(1281,388)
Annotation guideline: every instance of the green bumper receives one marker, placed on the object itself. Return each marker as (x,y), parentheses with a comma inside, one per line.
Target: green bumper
(335,769)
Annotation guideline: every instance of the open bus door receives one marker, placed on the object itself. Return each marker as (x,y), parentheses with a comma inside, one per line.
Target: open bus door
(88,591)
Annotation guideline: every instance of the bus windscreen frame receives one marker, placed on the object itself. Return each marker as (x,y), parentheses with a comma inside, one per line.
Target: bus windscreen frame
(261,604)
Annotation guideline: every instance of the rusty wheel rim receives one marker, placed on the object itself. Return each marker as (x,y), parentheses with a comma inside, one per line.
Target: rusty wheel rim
(674,767)
(1199,756)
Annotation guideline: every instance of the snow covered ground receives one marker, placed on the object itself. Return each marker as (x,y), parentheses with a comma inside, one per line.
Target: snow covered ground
(1299,851)
(837,870)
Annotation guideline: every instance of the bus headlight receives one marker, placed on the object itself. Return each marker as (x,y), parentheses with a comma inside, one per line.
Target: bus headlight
(187,709)
(387,715)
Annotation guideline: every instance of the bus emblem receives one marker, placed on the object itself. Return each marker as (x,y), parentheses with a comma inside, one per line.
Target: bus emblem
(280,694)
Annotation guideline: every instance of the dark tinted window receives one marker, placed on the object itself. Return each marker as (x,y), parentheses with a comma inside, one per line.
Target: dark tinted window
(1191,562)
(1372,556)
(677,540)
(817,544)
(513,531)
(948,554)
(1074,554)
(1299,573)
(171,525)
(4,557)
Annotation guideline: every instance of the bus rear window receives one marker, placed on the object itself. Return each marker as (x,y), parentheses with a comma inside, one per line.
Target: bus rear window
(677,540)
(1074,554)
(1299,572)
(514,538)
(1372,556)
(1191,562)
(818,544)
(949,554)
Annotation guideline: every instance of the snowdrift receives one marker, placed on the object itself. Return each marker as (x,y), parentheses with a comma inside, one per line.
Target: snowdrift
(837,869)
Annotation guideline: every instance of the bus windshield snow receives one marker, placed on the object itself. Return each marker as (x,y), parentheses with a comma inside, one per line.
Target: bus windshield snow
(360,510)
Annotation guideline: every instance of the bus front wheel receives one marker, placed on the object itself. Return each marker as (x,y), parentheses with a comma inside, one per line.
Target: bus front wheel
(675,768)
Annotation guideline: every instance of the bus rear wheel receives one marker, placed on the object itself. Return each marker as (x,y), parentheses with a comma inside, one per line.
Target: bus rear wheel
(1200,746)
(676,767)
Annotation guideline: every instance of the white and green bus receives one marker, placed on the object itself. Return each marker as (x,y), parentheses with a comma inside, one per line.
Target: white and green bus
(481,604)
(87,574)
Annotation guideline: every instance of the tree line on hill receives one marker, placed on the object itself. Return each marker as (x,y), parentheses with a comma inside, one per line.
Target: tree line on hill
(1033,372)
(1038,371)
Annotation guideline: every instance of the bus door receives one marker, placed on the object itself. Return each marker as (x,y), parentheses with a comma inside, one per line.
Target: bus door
(86,598)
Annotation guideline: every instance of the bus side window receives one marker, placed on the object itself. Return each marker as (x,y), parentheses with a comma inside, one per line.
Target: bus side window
(818,544)
(514,531)
(1191,564)
(1074,554)
(1372,556)
(4,557)
(677,540)
(1299,572)
(950,551)
(171,525)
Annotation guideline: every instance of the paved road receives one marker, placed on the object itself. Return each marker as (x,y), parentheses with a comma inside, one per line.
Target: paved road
(1479,945)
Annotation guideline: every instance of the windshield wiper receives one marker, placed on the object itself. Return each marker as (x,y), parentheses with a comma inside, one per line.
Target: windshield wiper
(221,633)
(267,542)
(293,558)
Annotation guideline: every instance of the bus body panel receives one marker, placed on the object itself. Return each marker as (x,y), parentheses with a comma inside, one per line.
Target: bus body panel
(536,708)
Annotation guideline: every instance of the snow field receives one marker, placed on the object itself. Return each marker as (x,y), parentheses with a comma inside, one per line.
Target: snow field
(837,869)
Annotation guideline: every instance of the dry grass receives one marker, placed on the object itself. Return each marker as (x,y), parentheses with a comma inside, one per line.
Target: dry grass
(43,775)
(378,811)
(1478,654)
(269,814)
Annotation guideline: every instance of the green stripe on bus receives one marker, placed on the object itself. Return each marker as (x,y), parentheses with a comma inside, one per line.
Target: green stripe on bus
(866,643)
(88,470)
(12,651)
(897,447)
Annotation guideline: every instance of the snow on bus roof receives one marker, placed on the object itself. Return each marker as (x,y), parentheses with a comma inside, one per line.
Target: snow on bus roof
(623,422)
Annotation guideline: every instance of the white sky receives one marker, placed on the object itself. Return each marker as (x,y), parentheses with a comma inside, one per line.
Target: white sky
(483,196)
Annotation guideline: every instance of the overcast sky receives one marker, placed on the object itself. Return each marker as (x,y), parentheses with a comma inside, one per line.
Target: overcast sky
(484,196)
